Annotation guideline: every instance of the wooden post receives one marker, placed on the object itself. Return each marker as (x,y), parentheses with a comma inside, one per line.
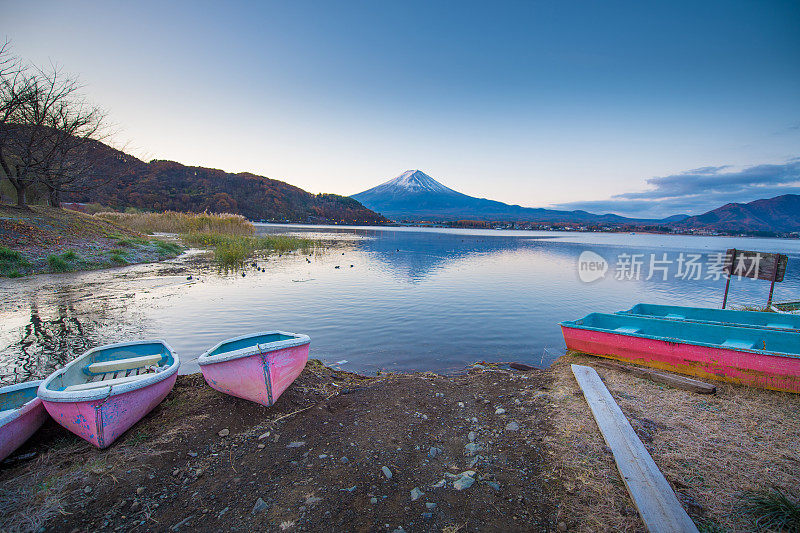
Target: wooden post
(774,277)
(728,283)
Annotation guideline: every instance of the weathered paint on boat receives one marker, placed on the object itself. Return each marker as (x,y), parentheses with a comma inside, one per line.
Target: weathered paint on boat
(749,356)
(21,414)
(752,319)
(100,415)
(256,367)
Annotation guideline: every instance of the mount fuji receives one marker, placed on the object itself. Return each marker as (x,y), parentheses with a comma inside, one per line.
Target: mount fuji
(415,196)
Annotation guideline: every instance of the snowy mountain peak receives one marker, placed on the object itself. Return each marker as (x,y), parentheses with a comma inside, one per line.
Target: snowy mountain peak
(417,181)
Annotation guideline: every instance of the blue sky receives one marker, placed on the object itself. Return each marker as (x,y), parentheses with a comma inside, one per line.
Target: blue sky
(573,104)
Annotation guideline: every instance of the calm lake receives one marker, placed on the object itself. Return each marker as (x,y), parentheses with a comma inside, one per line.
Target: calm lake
(398,299)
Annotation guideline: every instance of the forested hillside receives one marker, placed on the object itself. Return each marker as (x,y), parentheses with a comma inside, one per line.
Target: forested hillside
(120,180)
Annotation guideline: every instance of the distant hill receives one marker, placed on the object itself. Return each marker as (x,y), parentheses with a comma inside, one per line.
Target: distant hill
(415,196)
(121,180)
(779,214)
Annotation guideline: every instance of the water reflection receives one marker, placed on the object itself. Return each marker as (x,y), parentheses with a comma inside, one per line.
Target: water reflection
(49,320)
(412,300)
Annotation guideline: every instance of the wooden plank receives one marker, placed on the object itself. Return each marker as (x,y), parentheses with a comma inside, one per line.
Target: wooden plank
(124,364)
(673,380)
(106,383)
(657,504)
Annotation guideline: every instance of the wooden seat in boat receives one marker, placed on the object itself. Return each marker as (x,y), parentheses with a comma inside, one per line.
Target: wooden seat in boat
(106,383)
(779,325)
(123,364)
(733,343)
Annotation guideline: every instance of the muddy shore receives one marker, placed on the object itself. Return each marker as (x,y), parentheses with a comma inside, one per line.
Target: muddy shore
(489,449)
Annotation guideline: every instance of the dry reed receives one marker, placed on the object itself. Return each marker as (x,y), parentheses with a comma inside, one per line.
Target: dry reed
(175,222)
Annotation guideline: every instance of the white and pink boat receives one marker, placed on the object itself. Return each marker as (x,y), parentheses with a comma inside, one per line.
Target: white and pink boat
(256,367)
(105,391)
(21,414)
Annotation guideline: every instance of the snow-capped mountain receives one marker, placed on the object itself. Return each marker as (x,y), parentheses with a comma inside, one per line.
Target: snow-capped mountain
(414,195)
(414,181)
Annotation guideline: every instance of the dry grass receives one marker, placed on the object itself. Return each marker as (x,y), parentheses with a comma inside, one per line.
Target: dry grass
(231,251)
(174,222)
(712,449)
(41,492)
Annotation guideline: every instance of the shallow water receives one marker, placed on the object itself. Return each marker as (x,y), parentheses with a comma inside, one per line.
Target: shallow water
(413,299)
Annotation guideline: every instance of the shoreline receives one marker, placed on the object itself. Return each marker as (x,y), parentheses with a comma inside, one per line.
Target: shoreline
(43,240)
(499,228)
(202,460)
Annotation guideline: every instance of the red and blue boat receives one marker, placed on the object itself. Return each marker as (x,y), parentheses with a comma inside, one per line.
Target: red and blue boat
(108,389)
(257,367)
(761,357)
(21,414)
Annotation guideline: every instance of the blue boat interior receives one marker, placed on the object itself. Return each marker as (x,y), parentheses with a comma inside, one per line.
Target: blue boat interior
(249,342)
(80,373)
(15,399)
(135,350)
(706,334)
(721,316)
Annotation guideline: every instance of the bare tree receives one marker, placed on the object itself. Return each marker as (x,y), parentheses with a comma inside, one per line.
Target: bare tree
(74,126)
(48,130)
(14,92)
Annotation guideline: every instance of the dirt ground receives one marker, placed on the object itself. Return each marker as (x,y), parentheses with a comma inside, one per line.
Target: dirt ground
(711,448)
(491,449)
(313,462)
(39,233)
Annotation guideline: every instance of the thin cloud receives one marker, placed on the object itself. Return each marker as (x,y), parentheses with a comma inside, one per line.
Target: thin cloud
(699,190)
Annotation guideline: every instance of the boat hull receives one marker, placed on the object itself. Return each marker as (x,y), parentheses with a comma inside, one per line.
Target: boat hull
(102,421)
(14,433)
(763,370)
(261,377)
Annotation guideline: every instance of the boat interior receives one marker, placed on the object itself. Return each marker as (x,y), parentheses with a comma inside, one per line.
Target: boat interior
(114,365)
(14,399)
(723,316)
(248,342)
(725,336)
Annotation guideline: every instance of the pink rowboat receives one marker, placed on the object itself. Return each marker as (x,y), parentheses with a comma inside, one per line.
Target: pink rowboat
(105,391)
(764,358)
(21,414)
(257,367)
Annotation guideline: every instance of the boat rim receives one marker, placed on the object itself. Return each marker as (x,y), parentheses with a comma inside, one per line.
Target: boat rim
(573,325)
(99,393)
(298,339)
(629,312)
(16,413)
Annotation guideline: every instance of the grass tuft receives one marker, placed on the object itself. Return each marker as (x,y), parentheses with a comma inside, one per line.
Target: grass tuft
(117,256)
(58,263)
(167,248)
(12,263)
(231,251)
(64,262)
(773,510)
(130,242)
(7,254)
